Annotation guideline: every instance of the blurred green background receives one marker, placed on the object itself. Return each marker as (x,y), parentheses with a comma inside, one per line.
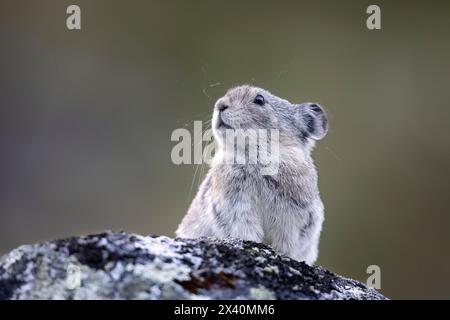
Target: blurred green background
(86,118)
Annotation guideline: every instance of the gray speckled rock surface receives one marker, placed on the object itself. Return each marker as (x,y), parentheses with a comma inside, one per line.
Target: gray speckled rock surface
(118,265)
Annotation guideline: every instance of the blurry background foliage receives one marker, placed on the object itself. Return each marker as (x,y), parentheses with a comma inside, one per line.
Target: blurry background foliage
(86,118)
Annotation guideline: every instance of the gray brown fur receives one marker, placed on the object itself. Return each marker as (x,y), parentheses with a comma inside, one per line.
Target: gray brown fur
(235,200)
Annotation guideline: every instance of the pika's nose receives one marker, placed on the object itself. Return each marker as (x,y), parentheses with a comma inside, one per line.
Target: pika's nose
(222,107)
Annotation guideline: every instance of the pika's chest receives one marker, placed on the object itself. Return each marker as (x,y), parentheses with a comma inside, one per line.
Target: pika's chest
(267,193)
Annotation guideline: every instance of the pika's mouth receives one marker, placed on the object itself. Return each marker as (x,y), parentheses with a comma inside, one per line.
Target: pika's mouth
(221,123)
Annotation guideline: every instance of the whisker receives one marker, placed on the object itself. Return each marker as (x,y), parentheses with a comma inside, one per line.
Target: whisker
(333,153)
(193,181)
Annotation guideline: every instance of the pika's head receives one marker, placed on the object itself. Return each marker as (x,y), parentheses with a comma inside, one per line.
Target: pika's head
(247,107)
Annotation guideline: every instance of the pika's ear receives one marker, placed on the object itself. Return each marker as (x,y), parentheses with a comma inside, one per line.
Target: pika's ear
(314,120)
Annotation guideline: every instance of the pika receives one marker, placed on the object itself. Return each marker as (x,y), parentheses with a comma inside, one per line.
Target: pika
(283,210)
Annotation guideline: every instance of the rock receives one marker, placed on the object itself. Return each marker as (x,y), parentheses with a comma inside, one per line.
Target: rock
(118,265)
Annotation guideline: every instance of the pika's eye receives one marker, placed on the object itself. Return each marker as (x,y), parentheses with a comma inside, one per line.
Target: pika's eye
(259,99)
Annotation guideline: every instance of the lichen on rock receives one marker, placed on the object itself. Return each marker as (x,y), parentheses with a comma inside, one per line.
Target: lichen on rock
(118,265)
